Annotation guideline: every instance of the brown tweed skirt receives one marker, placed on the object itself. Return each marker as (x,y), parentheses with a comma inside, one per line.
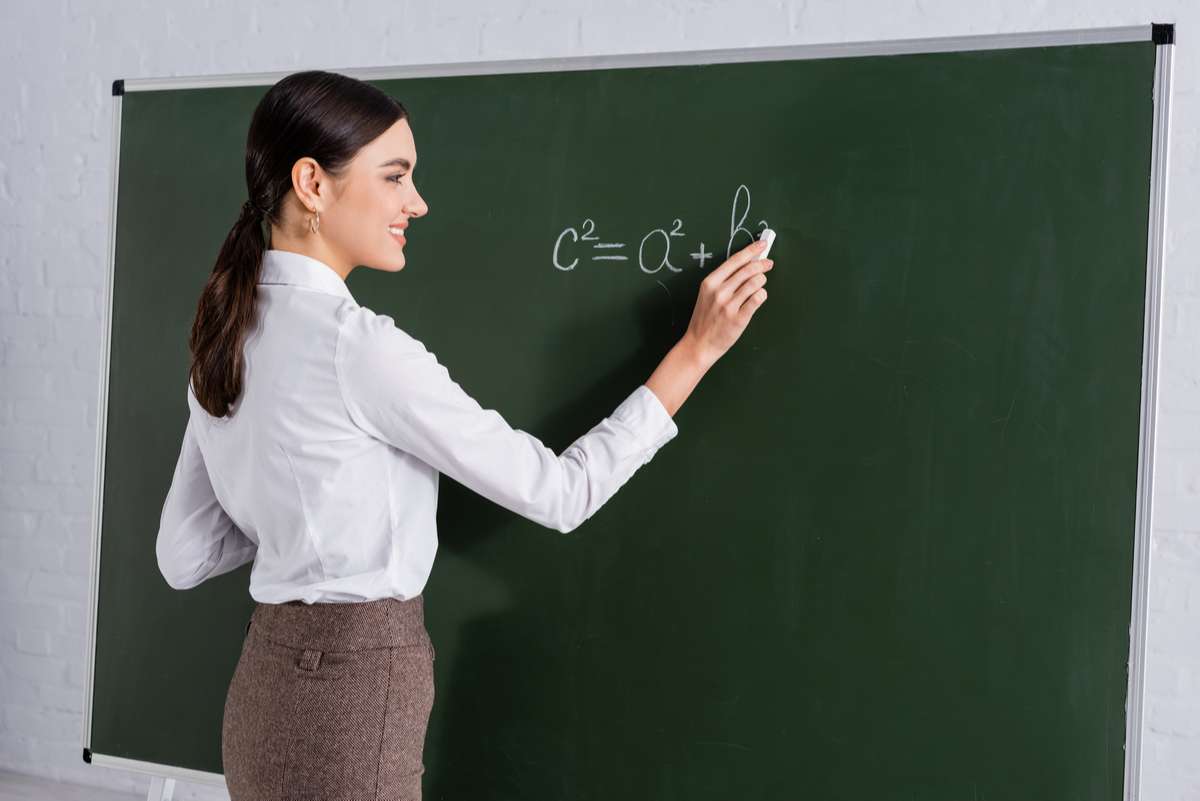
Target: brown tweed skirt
(330,701)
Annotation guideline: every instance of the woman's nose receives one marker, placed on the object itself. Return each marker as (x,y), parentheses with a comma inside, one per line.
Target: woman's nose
(420,209)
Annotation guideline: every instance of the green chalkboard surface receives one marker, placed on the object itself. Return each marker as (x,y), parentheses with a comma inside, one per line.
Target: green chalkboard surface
(890,554)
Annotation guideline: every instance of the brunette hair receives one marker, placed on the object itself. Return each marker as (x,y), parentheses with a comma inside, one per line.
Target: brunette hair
(323,115)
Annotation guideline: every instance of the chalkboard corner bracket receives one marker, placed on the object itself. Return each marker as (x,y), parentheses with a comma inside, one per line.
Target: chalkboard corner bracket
(1162,33)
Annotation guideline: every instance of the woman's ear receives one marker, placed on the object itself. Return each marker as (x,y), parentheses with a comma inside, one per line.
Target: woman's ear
(307,183)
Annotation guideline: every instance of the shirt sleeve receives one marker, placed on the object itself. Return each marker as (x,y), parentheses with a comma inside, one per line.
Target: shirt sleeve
(196,538)
(396,390)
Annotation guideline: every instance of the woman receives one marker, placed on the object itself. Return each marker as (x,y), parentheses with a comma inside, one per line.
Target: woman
(316,436)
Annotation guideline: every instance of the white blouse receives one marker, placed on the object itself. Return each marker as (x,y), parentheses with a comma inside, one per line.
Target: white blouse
(326,472)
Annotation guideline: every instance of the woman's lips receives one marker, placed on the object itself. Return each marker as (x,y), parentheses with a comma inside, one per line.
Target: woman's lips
(398,237)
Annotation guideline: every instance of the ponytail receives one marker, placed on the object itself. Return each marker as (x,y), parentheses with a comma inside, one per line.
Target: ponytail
(224,312)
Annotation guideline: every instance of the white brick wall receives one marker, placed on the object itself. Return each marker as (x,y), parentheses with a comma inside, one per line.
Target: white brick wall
(59,60)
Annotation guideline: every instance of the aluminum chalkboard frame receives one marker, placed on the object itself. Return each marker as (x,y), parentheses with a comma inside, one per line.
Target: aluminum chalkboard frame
(1161,35)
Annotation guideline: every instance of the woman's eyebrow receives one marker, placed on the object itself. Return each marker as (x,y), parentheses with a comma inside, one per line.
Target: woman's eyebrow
(402,163)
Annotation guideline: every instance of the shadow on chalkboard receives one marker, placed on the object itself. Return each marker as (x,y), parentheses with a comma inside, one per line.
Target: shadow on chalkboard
(499,723)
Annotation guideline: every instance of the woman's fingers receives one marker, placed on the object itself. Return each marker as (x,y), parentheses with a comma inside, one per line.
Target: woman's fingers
(751,285)
(745,272)
(751,305)
(746,254)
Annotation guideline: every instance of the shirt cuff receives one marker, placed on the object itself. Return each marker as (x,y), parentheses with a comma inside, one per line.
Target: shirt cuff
(643,412)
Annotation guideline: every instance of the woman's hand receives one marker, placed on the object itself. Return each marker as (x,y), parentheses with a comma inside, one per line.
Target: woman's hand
(729,296)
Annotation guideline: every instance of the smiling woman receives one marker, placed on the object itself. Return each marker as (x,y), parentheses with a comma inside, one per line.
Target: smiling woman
(321,169)
(364,209)
(317,435)
(329,168)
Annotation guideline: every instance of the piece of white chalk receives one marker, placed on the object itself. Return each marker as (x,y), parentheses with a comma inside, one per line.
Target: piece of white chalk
(767,236)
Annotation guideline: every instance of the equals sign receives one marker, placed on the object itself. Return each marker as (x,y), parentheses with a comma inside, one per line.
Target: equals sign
(609,245)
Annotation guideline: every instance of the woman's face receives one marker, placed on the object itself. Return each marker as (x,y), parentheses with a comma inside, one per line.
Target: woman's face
(361,209)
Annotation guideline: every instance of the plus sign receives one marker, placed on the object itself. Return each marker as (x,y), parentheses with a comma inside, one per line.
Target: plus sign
(703,255)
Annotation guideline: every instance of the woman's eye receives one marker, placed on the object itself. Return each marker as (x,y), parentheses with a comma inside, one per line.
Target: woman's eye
(396,178)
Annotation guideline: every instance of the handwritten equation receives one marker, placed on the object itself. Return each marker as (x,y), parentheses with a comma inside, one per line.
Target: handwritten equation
(654,251)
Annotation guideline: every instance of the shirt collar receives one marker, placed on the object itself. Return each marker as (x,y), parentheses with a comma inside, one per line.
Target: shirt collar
(296,269)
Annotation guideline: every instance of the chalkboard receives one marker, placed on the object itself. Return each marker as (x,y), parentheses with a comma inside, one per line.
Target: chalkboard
(893,552)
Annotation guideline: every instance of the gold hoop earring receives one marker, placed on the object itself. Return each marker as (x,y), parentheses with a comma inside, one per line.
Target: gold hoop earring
(314,222)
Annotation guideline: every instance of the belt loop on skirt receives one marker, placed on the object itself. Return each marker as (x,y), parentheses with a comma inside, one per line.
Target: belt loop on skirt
(310,659)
